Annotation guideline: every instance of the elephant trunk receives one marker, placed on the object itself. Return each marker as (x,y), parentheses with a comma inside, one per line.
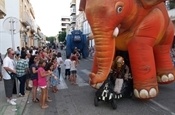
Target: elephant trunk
(104,45)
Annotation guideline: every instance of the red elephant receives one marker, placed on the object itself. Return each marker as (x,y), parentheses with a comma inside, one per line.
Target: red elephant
(141,27)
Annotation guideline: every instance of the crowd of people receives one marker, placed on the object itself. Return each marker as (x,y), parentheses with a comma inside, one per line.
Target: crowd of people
(40,65)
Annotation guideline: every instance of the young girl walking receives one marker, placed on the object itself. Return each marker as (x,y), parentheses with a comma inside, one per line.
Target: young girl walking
(42,83)
(73,70)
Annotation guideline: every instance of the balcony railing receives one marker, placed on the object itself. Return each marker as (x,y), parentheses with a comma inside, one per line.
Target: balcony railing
(73,10)
(73,3)
(26,19)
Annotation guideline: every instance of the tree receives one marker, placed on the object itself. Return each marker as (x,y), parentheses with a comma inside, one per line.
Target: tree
(51,39)
(62,36)
(172,4)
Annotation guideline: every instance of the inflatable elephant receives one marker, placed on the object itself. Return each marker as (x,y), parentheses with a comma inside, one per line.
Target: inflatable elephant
(141,27)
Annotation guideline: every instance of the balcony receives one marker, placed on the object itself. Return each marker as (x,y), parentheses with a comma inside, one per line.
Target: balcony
(26,21)
(2,9)
(73,3)
(73,11)
(73,19)
(65,22)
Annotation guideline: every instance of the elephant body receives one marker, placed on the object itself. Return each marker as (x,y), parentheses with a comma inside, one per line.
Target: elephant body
(141,27)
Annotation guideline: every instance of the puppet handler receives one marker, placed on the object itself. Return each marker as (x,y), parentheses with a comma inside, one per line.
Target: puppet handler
(118,84)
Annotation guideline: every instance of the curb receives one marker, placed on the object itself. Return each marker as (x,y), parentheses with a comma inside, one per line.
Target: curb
(18,109)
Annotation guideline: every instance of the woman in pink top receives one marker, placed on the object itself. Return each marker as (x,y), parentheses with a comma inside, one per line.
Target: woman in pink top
(42,83)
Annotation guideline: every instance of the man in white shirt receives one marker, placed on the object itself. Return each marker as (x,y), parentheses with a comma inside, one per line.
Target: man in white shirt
(9,67)
(18,51)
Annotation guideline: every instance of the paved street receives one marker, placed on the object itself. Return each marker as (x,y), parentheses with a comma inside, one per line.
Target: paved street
(7,109)
(78,100)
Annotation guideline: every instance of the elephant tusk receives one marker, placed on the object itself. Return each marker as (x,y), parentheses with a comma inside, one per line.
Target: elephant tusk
(116,32)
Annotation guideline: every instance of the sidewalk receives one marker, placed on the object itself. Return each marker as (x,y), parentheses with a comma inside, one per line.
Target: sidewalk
(6,108)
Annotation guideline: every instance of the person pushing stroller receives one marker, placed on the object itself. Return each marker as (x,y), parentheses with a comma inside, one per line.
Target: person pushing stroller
(121,77)
(117,85)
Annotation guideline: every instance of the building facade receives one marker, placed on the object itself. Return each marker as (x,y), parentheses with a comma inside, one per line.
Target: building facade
(12,10)
(23,12)
(80,18)
(28,24)
(73,14)
(2,9)
(170,4)
(65,22)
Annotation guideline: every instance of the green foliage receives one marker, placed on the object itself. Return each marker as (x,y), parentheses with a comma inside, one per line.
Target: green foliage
(51,39)
(62,36)
(172,4)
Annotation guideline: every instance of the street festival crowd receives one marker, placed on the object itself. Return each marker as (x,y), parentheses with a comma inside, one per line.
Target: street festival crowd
(40,67)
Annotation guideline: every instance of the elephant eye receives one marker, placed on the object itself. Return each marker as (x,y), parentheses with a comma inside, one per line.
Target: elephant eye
(119,9)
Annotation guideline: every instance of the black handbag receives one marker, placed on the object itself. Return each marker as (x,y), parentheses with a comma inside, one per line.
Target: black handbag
(12,75)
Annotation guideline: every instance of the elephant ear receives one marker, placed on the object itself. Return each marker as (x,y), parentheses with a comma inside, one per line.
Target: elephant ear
(150,3)
(82,5)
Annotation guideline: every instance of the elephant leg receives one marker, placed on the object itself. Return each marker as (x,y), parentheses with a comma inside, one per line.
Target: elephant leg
(141,54)
(143,70)
(164,66)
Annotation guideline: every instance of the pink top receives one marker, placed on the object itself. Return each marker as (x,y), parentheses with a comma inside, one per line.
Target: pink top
(42,81)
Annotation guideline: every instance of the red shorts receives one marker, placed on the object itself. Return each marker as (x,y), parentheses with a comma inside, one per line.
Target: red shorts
(35,82)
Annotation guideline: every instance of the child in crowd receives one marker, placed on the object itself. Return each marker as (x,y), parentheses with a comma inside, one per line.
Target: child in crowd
(73,69)
(67,64)
(59,62)
(42,83)
(34,77)
(54,78)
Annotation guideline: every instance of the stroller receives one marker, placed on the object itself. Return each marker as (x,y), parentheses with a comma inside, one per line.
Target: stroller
(107,92)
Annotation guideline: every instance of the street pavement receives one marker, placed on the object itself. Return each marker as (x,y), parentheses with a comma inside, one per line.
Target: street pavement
(78,99)
(6,108)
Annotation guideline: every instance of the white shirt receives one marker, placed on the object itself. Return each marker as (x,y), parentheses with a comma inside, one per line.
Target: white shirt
(60,61)
(73,66)
(34,51)
(67,63)
(7,62)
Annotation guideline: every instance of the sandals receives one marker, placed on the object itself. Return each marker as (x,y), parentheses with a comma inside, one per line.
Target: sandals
(35,100)
(44,106)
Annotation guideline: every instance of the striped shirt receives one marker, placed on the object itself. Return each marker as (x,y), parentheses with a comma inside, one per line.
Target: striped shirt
(21,67)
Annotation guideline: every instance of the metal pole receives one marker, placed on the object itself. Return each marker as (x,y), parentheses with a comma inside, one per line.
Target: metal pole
(12,29)
(12,32)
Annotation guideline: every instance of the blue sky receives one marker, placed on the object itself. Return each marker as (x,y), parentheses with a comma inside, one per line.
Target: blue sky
(48,14)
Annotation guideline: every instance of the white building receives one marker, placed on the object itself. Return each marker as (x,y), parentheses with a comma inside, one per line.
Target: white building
(12,10)
(79,21)
(24,25)
(65,21)
(87,31)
